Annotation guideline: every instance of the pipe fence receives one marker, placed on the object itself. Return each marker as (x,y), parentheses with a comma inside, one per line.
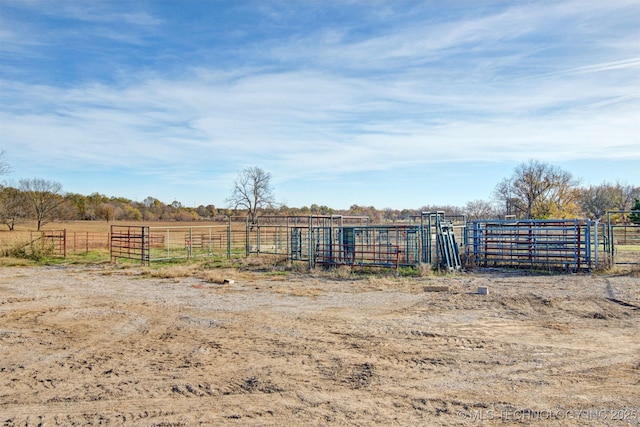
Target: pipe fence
(623,243)
(569,245)
(575,245)
(317,240)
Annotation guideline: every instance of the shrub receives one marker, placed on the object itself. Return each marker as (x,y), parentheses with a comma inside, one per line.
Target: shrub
(36,250)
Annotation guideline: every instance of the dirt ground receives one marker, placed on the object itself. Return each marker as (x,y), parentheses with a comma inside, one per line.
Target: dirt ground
(110,346)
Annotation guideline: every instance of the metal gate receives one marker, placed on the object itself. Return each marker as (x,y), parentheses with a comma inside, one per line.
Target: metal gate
(130,242)
(53,242)
(623,238)
(373,246)
(568,245)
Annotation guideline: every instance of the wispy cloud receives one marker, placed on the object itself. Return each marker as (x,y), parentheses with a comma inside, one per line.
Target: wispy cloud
(299,119)
(399,88)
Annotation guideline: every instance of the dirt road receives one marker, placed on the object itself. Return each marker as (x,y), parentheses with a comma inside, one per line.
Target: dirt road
(109,346)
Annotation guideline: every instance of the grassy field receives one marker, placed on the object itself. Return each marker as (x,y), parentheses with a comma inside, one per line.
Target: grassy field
(25,233)
(102,226)
(628,254)
(105,227)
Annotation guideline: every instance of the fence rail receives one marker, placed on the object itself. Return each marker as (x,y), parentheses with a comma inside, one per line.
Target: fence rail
(82,242)
(194,242)
(623,243)
(569,245)
(130,242)
(358,255)
(147,244)
(52,241)
(337,240)
(553,244)
(323,240)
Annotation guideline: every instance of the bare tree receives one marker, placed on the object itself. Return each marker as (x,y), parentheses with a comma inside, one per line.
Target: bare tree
(252,191)
(537,189)
(480,209)
(43,197)
(597,200)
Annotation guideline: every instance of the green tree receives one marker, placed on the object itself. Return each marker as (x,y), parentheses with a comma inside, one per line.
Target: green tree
(79,204)
(635,215)
(105,211)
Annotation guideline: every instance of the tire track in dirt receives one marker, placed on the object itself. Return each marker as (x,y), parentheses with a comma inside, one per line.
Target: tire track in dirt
(112,349)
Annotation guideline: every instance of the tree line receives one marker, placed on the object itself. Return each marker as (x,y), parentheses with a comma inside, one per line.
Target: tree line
(535,190)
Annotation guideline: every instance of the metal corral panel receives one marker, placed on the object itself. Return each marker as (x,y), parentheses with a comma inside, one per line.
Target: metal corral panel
(549,244)
(381,246)
(378,246)
(130,242)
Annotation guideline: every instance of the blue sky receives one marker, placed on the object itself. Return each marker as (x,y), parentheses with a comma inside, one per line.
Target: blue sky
(395,104)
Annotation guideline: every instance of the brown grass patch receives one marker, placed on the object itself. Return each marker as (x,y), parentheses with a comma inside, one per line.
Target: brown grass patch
(219,276)
(172,272)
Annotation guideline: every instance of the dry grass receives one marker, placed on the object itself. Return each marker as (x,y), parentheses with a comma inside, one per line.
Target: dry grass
(425,270)
(70,226)
(295,290)
(266,269)
(172,272)
(105,227)
(14,262)
(10,241)
(22,231)
(261,262)
(219,276)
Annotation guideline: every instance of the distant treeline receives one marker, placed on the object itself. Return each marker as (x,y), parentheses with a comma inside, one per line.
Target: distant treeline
(17,206)
(535,190)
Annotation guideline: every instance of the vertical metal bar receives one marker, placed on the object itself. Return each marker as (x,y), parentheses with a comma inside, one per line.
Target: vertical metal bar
(142,247)
(311,244)
(587,240)
(247,243)
(439,253)
(429,257)
(611,238)
(474,242)
(465,237)
(257,226)
(423,254)
(288,237)
(578,239)
(146,238)
(111,243)
(595,230)
(331,256)
(229,238)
